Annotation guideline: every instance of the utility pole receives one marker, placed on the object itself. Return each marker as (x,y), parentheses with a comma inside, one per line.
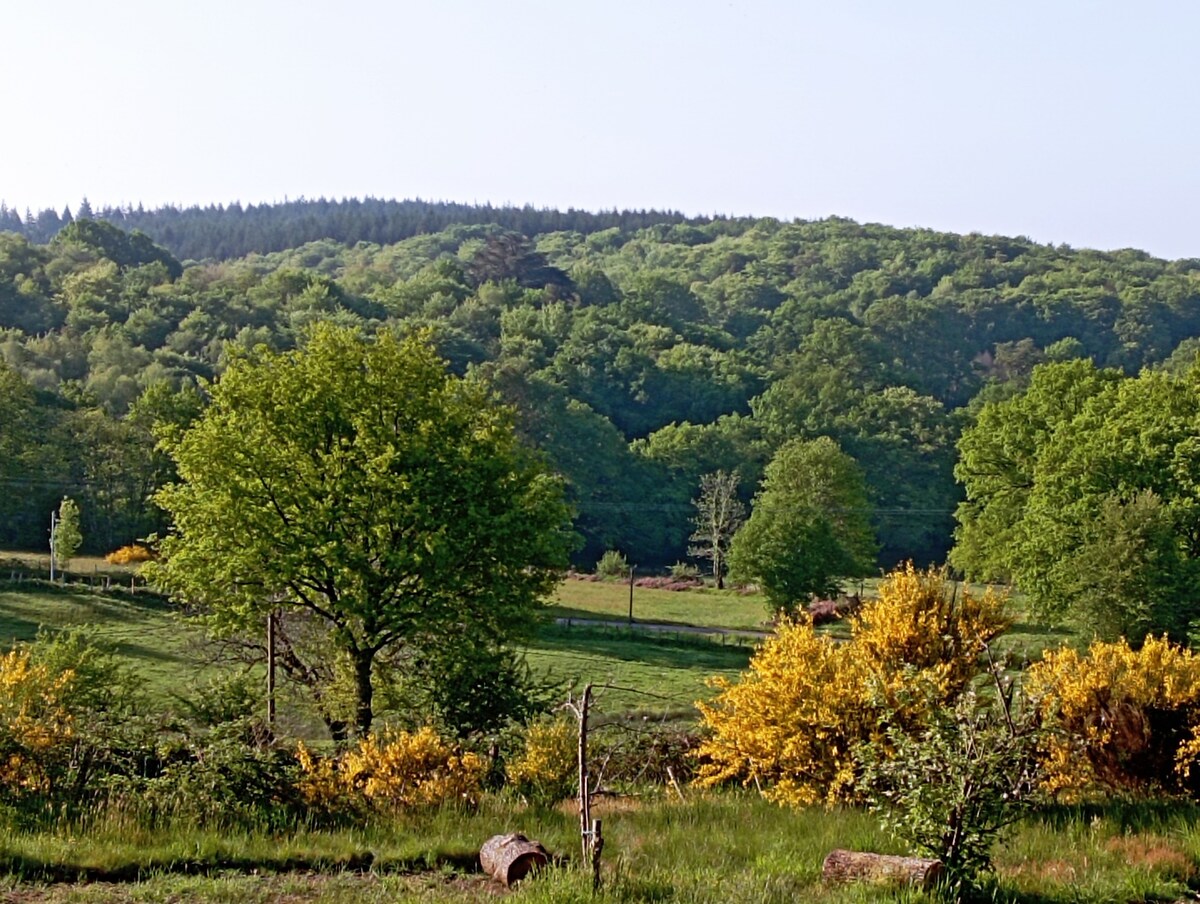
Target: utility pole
(53,539)
(631,594)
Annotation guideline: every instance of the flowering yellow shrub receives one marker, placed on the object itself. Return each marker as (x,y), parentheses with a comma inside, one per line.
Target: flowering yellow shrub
(790,723)
(394,771)
(547,769)
(35,724)
(1125,718)
(920,622)
(129,555)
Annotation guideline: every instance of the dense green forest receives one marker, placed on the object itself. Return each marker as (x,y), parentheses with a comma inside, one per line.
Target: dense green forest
(641,350)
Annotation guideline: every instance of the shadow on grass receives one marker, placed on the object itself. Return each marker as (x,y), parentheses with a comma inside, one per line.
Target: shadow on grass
(1127,816)
(696,652)
(33,869)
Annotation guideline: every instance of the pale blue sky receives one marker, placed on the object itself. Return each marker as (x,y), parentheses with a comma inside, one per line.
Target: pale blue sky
(1065,121)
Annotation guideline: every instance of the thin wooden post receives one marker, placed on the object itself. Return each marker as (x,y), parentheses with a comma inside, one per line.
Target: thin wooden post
(53,541)
(631,594)
(597,845)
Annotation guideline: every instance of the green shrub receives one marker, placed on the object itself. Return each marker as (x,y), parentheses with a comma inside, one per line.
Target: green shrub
(612,565)
(949,788)
(684,570)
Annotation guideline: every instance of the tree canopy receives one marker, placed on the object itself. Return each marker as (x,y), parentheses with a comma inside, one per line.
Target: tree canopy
(359,483)
(810,527)
(1082,490)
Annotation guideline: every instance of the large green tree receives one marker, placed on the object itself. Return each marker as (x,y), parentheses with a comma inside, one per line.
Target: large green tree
(810,525)
(360,483)
(1083,490)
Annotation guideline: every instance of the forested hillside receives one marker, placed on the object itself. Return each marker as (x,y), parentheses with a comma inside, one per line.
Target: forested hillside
(642,351)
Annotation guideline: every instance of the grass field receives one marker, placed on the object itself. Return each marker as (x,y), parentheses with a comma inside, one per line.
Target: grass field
(168,651)
(707,607)
(666,671)
(145,631)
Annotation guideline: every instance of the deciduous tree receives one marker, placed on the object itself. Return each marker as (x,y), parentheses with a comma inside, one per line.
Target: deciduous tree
(809,528)
(359,482)
(719,514)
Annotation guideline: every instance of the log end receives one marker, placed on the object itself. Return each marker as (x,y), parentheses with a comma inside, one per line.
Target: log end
(510,858)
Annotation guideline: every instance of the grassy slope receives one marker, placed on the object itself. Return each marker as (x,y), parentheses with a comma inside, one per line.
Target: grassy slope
(166,651)
(672,667)
(142,629)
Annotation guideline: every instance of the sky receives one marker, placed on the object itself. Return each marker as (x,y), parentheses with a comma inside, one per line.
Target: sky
(1067,122)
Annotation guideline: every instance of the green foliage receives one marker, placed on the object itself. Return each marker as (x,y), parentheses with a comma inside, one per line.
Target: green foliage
(464,686)
(677,347)
(684,570)
(358,482)
(948,789)
(613,564)
(1082,489)
(68,719)
(809,528)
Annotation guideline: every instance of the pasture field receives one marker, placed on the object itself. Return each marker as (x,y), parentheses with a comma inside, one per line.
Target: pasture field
(654,672)
(706,607)
(171,656)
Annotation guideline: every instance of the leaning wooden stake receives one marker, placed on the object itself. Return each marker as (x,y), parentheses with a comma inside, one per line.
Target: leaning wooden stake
(850,866)
(590,839)
(510,858)
(585,795)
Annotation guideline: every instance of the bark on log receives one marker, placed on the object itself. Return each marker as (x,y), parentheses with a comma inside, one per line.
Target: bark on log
(510,858)
(850,866)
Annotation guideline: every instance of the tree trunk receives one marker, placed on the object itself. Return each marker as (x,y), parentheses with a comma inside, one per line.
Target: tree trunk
(364,691)
(850,866)
(510,858)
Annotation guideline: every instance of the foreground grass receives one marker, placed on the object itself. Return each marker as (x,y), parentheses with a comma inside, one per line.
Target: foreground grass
(713,848)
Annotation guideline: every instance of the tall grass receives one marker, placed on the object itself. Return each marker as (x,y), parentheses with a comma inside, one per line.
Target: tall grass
(721,848)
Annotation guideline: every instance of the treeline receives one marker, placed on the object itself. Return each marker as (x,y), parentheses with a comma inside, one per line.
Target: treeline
(224,231)
(638,357)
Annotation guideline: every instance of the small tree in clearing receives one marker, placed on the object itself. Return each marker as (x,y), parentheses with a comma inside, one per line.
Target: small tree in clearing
(719,514)
(66,538)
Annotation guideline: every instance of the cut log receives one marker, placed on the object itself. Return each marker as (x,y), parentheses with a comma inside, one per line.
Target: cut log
(852,866)
(510,858)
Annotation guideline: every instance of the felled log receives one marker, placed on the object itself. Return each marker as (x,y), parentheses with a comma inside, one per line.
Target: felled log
(851,866)
(510,858)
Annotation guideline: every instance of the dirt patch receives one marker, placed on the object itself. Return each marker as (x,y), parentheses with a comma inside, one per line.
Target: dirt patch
(1153,854)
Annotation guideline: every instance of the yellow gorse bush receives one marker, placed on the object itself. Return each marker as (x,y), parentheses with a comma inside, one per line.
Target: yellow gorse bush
(789,725)
(547,768)
(35,724)
(1125,718)
(129,555)
(391,771)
